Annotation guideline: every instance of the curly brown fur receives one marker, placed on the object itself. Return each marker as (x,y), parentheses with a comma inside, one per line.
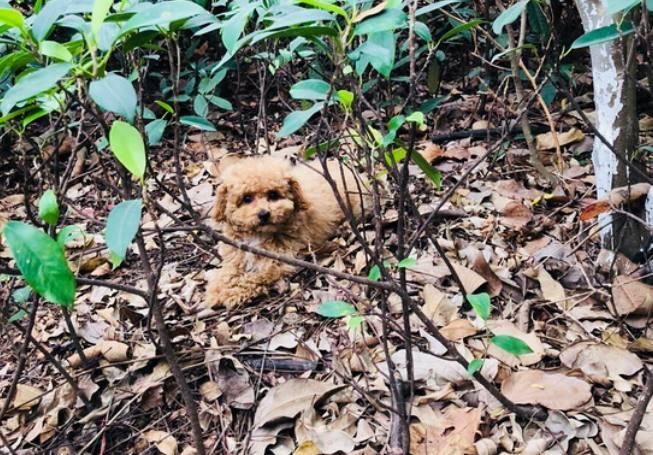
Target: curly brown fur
(269,203)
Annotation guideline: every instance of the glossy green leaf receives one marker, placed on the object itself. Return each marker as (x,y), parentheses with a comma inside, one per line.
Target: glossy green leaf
(336,309)
(480,304)
(422,30)
(197,122)
(458,29)
(603,34)
(100,10)
(162,14)
(114,93)
(165,106)
(34,84)
(21,295)
(510,344)
(55,50)
(201,106)
(69,234)
(433,174)
(375,273)
(354,322)
(127,145)
(44,21)
(380,51)
(17,316)
(48,208)
(396,156)
(41,262)
(221,103)
(311,89)
(295,120)
(12,17)
(433,6)
(325,6)
(416,117)
(122,226)
(474,366)
(387,20)
(154,131)
(346,98)
(509,16)
(406,263)
(232,28)
(617,6)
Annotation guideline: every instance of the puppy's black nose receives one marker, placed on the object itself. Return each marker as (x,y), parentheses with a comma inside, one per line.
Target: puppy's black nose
(264,216)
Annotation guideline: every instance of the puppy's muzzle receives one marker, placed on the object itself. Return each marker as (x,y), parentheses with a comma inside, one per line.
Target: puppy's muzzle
(264,217)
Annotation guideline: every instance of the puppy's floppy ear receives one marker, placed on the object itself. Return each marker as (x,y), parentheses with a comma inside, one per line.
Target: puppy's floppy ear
(297,194)
(220,206)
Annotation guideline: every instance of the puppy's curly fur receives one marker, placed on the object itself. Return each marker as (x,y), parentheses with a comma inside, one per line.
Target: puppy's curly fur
(269,203)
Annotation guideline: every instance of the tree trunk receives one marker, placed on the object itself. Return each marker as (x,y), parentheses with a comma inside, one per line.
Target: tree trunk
(616,119)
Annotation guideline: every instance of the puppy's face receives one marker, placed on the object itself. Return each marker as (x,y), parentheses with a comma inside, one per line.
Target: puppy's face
(258,196)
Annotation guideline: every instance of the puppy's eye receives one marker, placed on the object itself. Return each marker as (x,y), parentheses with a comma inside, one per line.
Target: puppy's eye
(273,195)
(248,198)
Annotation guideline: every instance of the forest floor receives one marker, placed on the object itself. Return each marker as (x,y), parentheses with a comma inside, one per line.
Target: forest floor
(276,377)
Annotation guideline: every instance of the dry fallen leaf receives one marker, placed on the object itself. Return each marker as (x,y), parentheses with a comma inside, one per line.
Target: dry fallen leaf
(26,397)
(289,399)
(551,390)
(458,329)
(615,198)
(600,362)
(631,296)
(552,290)
(546,141)
(453,433)
(164,442)
(437,306)
(470,279)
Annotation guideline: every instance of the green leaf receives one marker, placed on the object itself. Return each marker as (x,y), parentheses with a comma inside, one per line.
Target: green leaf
(617,6)
(387,20)
(346,98)
(69,234)
(233,28)
(397,155)
(295,120)
(480,304)
(45,19)
(154,131)
(509,16)
(115,94)
(127,145)
(433,174)
(406,263)
(122,226)
(416,117)
(336,309)
(17,316)
(458,29)
(603,34)
(162,14)
(474,366)
(354,321)
(100,10)
(201,106)
(221,103)
(375,273)
(48,208)
(41,262)
(165,106)
(311,89)
(326,6)
(422,30)
(433,6)
(21,295)
(55,50)
(197,122)
(33,84)
(12,18)
(649,5)
(510,344)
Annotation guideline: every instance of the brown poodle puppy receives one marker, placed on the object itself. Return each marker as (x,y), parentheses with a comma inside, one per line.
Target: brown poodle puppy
(269,203)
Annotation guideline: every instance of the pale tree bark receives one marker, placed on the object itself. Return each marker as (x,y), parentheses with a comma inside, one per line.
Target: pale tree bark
(616,120)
